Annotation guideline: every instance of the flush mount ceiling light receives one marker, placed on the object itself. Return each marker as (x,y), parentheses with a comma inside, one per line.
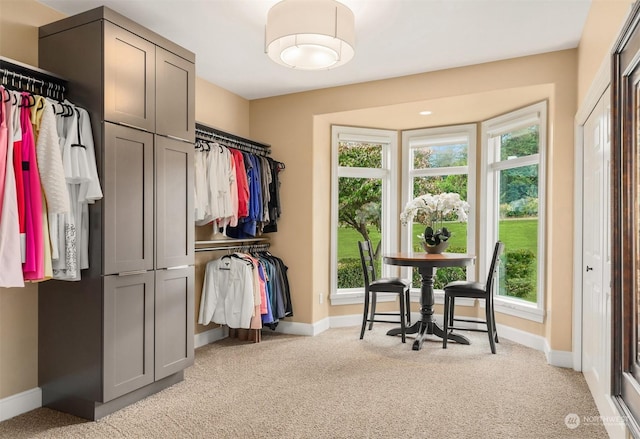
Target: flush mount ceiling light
(310,34)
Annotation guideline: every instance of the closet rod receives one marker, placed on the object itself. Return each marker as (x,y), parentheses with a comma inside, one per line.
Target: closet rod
(13,73)
(250,247)
(207,133)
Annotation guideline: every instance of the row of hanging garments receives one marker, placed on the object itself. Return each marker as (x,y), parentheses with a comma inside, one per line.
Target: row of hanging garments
(48,177)
(236,191)
(245,291)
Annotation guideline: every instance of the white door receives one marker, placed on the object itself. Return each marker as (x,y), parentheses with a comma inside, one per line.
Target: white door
(596,264)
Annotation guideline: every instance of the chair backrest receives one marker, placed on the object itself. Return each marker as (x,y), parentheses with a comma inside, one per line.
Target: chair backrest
(368,266)
(495,260)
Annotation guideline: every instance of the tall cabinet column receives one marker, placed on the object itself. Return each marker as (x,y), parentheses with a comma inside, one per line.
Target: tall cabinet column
(125,330)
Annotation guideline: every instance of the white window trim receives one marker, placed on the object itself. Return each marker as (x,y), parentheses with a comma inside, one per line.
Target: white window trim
(536,113)
(438,136)
(390,218)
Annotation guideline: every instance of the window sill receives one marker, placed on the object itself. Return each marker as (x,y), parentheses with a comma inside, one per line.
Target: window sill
(518,308)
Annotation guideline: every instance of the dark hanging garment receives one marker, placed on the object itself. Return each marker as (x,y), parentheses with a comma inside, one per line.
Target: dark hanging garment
(274,191)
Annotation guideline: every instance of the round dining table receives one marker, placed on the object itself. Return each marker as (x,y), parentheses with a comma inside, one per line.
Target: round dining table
(425,263)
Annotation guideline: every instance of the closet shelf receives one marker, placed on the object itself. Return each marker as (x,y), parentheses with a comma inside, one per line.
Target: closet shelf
(230,244)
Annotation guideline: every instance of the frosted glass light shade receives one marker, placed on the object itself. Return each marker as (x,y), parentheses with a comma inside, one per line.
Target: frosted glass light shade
(310,34)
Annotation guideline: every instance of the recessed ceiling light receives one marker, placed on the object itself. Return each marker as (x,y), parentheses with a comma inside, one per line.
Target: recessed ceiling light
(425,113)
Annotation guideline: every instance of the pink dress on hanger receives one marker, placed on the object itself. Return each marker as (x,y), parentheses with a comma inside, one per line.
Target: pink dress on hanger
(4,145)
(33,267)
(17,168)
(10,248)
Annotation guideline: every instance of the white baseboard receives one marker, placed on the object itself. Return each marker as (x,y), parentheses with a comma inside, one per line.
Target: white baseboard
(522,337)
(20,403)
(296,328)
(558,358)
(210,336)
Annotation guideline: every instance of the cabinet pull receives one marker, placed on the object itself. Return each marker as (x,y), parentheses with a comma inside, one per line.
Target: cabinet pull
(177,138)
(128,125)
(131,273)
(177,267)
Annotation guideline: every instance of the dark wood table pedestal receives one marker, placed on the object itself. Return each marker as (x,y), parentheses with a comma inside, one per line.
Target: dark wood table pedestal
(426,263)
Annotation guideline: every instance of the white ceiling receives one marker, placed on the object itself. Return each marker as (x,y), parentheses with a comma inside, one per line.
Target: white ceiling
(393,37)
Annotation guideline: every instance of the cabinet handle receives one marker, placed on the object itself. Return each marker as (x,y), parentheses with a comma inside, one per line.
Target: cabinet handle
(177,138)
(133,126)
(131,273)
(177,267)
(589,268)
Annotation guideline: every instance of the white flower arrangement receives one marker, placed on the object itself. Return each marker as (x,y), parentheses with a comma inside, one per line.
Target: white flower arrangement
(431,210)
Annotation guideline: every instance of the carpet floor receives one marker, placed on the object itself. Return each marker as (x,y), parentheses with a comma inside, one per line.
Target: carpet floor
(336,386)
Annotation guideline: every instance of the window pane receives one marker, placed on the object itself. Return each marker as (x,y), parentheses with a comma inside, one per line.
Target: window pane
(359,155)
(359,213)
(439,156)
(440,184)
(519,143)
(518,230)
(458,240)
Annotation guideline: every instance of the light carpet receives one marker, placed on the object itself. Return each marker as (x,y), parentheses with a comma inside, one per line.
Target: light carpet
(336,386)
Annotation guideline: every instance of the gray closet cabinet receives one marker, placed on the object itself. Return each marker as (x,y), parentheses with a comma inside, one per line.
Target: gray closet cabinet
(127,184)
(146,86)
(125,331)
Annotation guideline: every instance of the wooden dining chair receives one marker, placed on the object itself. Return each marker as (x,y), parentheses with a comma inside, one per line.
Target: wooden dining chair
(473,290)
(373,286)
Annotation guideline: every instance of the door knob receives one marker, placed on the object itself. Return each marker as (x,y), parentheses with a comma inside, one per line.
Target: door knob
(589,268)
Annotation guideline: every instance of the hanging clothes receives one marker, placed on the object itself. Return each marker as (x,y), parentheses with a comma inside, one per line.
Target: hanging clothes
(10,244)
(48,176)
(33,266)
(227,293)
(235,191)
(83,185)
(248,290)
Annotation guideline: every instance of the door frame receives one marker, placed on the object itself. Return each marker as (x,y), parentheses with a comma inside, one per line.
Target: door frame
(597,88)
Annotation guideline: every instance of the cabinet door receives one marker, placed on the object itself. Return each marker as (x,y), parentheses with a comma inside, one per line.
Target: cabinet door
(174,203)
(128,200)
(174,321)
(128,333)
(129,78)
(175,96)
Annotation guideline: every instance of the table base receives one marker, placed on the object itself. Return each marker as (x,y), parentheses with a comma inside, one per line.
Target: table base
(426,328)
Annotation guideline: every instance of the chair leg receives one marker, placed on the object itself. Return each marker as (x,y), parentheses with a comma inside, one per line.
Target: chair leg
(403,328)
(493,323)
(447,304)
(407,298)
(364,315)
(452,307)
(490,326)
(373,309)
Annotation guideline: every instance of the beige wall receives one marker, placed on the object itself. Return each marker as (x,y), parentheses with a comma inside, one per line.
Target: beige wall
(600,32)
(298,128)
